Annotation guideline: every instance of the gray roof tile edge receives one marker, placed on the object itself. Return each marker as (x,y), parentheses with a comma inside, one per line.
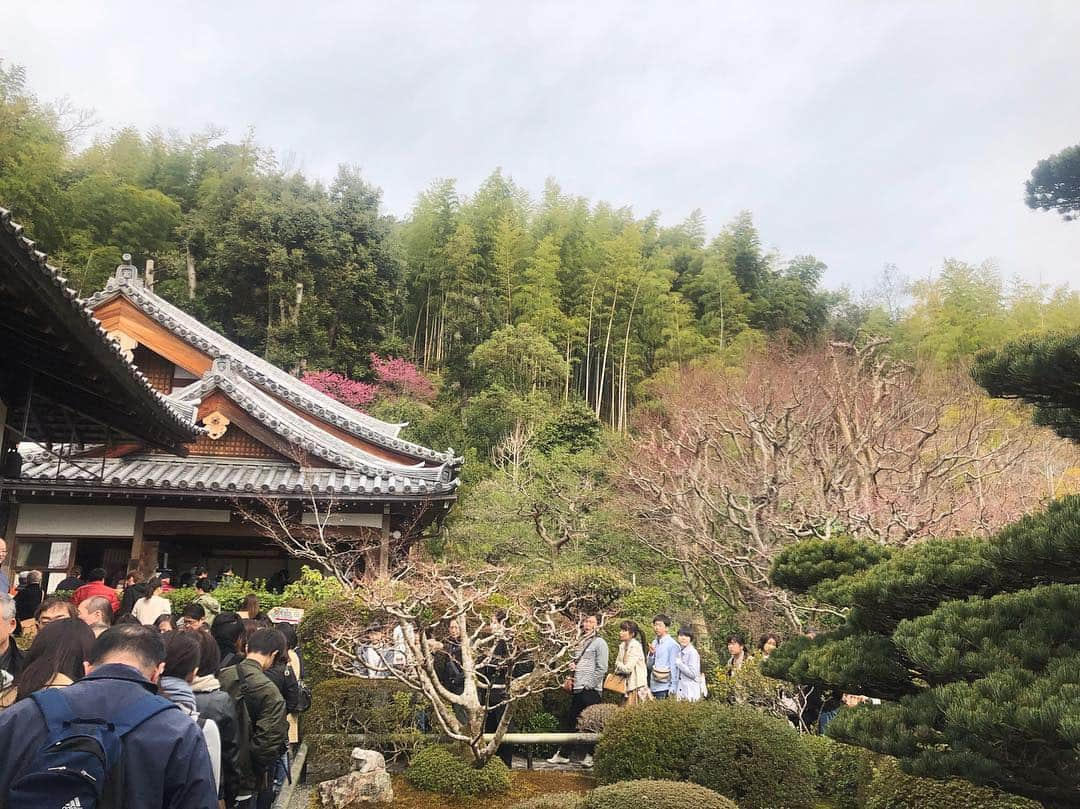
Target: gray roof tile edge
(224,375)
(83,307)
(263,373)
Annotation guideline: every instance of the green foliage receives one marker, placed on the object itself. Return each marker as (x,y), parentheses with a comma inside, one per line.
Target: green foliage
(230,594)
(844,772)
(893,789)
(656,795)
(311,589)
(1040,370)
(585,588)
(519,359)
(573,428)
(755,760)
(1055,184)
(801,566)
(315,630)
(436,769)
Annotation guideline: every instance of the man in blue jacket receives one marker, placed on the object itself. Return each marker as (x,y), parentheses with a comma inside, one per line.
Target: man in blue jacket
(165,761)
(661,660)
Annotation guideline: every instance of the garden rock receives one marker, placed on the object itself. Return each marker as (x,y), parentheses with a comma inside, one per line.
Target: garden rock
(369,782)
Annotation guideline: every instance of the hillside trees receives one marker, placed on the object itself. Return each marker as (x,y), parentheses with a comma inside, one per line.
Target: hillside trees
(727,470)
(971,642)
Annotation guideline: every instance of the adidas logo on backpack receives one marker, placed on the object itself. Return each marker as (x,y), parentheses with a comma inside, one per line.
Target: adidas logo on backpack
(74,803)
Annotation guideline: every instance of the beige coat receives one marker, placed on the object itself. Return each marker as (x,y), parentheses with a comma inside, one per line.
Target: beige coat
(631,662)
(294,718)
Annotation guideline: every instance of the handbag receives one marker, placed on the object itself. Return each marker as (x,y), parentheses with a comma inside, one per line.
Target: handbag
(616,683)
(661,675)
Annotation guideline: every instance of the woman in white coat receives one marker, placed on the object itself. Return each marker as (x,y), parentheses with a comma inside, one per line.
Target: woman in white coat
(686,679)
(630,663)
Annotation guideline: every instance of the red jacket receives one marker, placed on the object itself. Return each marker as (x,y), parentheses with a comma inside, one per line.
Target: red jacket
(97,588)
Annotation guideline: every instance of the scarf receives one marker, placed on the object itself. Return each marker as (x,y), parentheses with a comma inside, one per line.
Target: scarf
(205,683)
(179,692)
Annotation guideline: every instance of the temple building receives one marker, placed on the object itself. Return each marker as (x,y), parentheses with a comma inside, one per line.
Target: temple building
(255,435)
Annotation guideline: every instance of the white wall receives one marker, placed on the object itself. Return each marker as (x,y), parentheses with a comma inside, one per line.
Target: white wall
(45,519)
(161,514)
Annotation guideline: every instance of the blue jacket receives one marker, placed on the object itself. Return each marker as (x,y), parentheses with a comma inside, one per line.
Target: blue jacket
(165,759)
(663,658)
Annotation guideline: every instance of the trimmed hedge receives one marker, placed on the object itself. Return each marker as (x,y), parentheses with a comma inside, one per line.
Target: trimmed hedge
(596,717)
(314,631)
(436,769)
(844,772)
(892,788)
(655,795)
(755,760)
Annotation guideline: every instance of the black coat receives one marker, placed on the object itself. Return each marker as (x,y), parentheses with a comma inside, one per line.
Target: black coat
(281,675)
(27,600)
(130,596)
(219,706)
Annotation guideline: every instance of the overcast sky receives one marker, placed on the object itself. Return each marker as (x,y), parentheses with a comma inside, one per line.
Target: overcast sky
(861,132)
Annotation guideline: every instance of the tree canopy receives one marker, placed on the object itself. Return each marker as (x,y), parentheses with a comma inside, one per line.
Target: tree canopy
(1055,184)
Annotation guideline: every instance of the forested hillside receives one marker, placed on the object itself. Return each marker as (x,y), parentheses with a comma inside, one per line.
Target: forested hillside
(567,346)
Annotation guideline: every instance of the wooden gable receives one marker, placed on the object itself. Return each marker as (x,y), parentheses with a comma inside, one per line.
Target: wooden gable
(240,419)
(121,315)
(235,443)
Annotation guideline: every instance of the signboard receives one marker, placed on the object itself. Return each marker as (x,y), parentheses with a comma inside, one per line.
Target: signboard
(285,615)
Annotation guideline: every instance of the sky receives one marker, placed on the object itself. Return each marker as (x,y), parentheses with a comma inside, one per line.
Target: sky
(864,133)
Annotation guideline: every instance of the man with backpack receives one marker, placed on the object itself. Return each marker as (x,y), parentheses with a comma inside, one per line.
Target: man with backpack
(263,731)
(108,741)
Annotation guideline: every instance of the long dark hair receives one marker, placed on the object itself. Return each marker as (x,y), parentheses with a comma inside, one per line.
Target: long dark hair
(59,648)
(182,654)
(151,587)
(635,632)
(250,606)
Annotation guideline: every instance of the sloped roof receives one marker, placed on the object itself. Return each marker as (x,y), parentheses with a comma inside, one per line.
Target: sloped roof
(226,375)
(226,477)
(50,335)
(263,374)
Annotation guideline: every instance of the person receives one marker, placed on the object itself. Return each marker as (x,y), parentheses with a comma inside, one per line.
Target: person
(736,646)
(249,609)
(181,665)
(228,630)
(28,599)
(630,662)
(494,673)
(54,609)
(211,606)
(215,704)
(166,581)
(373,656)
(277,582)
(661,660)
(5,583)
(830,711)
(284,678)
(264,732)
(164,757)
(127,618)
(57,658)
(73,581)
(164,623)
(11,656)
(686,676)
(589,667)
(194,617)
(296,665)
(451,673)
(96,612)
(134,589)
(768,645)
(152,605)
(96,586)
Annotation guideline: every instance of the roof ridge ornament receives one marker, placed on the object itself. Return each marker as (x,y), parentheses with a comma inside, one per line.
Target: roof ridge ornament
(127,273)
(224,365)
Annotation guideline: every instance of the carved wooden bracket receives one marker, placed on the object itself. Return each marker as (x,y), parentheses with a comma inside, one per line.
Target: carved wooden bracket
(126,342)
(216,424)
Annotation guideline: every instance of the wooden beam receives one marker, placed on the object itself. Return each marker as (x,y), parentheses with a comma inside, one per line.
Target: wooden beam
(12,539)
(384,545)
(137,534)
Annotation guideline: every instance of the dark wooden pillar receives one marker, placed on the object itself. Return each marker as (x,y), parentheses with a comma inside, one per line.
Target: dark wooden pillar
(384,544)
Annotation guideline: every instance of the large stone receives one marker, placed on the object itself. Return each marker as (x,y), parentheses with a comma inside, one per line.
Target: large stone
(367,760)
(356,789)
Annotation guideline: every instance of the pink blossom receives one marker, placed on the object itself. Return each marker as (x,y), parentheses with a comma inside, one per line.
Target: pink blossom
(402,377)
(345,390)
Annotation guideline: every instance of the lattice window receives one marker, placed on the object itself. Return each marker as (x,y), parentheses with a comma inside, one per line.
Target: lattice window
(234,444)
(155,368)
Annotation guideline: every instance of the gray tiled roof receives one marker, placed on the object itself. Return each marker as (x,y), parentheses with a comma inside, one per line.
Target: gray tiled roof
(226,375)
(152,404)
(228,477)
(260,372)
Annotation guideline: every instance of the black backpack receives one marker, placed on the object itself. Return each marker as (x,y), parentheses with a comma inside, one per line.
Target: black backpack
(80,765)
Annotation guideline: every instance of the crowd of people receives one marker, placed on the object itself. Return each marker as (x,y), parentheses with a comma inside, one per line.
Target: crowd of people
(205,704)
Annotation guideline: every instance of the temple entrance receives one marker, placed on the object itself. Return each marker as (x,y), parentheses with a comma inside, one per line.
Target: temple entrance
(249,558)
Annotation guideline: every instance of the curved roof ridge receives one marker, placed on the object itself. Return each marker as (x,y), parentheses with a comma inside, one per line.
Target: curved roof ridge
(225,376)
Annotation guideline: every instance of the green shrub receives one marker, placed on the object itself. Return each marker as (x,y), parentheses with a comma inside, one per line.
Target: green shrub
(311,589)
(655,795)
(230,594)
(755,760)
(553,800)
(436,769)
(596,717)
(655,740)
(314,631)
(893,789)
(843,772)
